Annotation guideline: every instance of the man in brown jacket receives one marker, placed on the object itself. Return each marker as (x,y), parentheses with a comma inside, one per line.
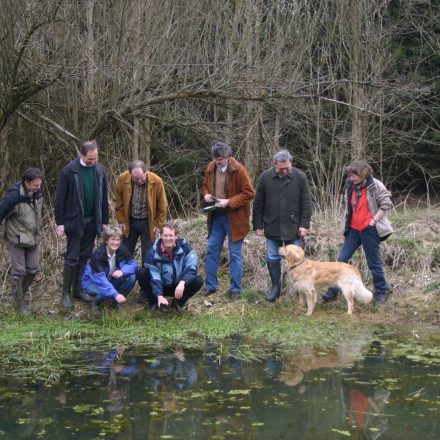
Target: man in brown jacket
(227,184)
(141,206)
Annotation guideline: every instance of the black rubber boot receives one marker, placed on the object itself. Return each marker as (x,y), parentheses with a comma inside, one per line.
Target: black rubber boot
(66,298)
(19,302)
(274,268)
(26,283)
(77,290)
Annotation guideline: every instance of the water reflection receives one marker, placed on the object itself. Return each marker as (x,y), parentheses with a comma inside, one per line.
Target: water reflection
(353,391)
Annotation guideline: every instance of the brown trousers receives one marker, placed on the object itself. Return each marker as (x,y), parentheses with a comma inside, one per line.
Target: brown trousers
(23,262)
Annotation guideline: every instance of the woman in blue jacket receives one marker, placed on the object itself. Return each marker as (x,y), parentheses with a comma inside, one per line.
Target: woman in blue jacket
(111,271)
(170,269)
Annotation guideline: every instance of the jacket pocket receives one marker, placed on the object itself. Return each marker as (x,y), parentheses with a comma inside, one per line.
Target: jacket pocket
(268,219)
(293,218)
(26,240)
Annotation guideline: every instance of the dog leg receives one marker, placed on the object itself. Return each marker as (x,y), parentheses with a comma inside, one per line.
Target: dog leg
(302,299)
(349,296)
(311,301)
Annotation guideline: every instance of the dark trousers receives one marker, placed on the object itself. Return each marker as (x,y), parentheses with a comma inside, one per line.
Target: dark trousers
(79,249)
(124,285)
(144,278)
(370,242)
(138,228)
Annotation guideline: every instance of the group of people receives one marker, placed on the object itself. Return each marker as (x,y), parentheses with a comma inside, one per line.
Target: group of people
(281,212)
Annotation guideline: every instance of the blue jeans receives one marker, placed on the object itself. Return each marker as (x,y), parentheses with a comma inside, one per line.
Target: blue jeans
(219,231)
(123,285)
(272,246)
(370,241)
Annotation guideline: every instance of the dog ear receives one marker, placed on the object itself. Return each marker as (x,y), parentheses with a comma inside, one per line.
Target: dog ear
(282,251)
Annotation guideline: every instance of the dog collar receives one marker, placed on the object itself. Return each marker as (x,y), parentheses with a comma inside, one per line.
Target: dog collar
(299,264)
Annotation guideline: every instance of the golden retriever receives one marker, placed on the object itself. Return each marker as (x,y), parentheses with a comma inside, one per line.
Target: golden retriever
(308,276)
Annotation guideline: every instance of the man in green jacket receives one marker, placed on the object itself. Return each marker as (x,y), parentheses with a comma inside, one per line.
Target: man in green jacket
(282,211)
(21,216)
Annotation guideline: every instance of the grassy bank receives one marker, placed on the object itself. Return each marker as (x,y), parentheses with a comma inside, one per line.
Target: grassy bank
(39,346)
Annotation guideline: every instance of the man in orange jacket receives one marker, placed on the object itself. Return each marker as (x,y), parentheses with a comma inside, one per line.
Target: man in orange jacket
(227,184)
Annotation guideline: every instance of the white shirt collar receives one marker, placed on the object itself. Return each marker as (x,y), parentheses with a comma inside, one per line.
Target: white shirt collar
(223,168)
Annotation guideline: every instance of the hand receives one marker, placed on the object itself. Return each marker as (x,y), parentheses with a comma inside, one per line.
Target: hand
(120,298)
(156,230)
(162,300)
(303,232)
(209,198)
(259,232)
(122,226)
(60,231)
(178,293)
(180,355)
(117,274)
(222,203)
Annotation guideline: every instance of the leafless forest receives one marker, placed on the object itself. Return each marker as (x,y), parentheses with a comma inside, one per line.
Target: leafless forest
(160,80)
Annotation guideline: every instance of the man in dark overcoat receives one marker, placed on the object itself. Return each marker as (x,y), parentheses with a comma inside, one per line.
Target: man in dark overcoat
(281,212)
(81,213)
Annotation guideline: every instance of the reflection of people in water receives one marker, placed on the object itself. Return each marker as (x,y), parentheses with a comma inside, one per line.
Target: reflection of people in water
(364,413)
(170,374)
(177,370)
(115,364)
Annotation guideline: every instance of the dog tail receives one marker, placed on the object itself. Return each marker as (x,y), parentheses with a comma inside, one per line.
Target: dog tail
(361,293)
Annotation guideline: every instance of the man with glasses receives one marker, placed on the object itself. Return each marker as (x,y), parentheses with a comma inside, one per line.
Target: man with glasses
(81,213)
(282,211)
(227,184)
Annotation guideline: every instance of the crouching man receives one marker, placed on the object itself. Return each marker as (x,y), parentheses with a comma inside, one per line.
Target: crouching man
(110,274)
(170,269)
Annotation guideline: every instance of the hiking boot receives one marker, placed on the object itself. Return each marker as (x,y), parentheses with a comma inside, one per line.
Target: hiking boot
(207,292)
(142,299)
(380,298)
(330,295)
(96,308)
(175,305)
(235,296)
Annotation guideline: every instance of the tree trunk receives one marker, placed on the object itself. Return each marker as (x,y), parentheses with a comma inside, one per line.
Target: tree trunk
(357,78)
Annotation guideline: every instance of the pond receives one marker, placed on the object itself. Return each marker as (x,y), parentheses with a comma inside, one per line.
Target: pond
(361,390)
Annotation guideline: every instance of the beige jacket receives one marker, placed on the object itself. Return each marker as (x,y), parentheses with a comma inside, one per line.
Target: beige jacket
(156,201)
